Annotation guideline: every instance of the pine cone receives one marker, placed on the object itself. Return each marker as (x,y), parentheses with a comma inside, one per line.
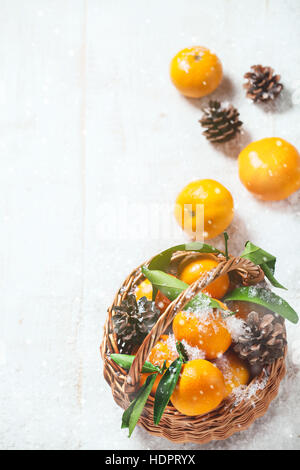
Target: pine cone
(222,123)
(133,321)
(264,339)
(262,85)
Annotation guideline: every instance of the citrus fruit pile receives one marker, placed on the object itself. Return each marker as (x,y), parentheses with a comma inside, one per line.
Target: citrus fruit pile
(212,370)
(223,327)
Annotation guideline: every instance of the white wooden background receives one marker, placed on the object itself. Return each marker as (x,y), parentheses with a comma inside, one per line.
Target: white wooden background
(88,119)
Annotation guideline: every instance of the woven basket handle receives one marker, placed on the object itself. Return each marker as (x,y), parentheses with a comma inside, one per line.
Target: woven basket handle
(250,274)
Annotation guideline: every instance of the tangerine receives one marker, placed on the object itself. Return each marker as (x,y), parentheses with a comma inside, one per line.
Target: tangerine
(204,207)
(200,388)
(195,269)
(144,289)
(270,168)
(207,331)
(235,371)
(160,353)
(196,71)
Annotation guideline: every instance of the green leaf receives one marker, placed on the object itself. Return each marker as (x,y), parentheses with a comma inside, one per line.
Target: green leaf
(162,260)
(263,259)
(131,415)
(165,389)
(183,355)
(269,274)
(171,287)
(126,360)
(226,238)
(163,368)
(266,298)
(258,256)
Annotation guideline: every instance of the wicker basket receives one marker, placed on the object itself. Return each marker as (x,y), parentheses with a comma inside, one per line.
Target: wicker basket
(220,423)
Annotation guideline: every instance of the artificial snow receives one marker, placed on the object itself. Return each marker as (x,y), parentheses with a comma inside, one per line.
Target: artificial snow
(235,326)
(247,392)
(192,352)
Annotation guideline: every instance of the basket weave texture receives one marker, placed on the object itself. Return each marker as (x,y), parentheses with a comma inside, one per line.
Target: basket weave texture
(229,417)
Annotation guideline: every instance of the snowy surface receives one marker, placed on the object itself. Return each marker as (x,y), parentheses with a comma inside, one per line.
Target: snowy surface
(91,127)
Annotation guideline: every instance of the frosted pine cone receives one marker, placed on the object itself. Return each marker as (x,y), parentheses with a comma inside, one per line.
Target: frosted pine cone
(222,124)
(133,320)
(264,339)
(262,84)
